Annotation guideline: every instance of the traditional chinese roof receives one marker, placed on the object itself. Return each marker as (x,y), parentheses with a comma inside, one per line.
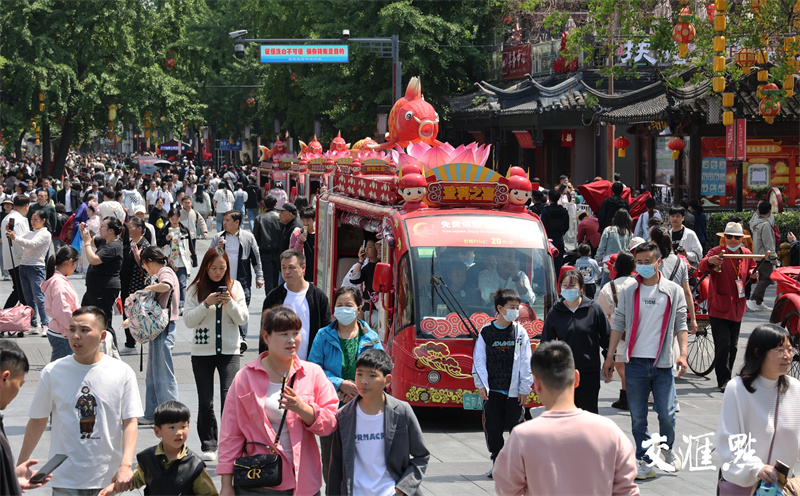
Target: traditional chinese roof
(659,102)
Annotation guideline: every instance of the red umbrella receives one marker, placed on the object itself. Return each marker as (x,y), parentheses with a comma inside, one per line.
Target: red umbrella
(594,193)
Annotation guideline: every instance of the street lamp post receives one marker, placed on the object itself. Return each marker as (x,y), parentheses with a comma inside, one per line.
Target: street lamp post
(385,48)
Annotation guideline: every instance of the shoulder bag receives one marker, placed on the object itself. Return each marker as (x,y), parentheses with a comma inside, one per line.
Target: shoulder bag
(725,488)
(260,470)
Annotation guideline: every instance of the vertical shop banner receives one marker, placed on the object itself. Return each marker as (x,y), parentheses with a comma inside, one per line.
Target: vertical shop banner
(741,139)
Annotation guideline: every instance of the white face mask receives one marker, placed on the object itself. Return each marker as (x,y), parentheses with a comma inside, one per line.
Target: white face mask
(512,314)
(734,248)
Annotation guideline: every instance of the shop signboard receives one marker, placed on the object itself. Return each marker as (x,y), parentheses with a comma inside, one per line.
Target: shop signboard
(770,163)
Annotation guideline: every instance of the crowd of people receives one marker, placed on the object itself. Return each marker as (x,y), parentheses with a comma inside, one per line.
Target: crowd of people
(321,372)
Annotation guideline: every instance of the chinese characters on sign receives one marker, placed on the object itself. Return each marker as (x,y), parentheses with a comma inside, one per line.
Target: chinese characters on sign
(697,455)
(297,54)
(712,176)
(468,193)
(641,52)
(516,61)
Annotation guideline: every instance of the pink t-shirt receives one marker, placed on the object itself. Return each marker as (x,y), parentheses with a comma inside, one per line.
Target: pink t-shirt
(604,461)
(168,275)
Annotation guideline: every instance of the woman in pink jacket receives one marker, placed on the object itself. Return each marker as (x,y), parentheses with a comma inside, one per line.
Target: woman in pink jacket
(255,405)
(60,299)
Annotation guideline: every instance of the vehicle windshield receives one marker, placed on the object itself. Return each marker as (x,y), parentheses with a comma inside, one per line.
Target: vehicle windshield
(469,276)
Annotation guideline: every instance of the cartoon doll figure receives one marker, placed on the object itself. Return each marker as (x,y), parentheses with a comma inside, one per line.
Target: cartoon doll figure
(413,188)
(520,193)
(87,409)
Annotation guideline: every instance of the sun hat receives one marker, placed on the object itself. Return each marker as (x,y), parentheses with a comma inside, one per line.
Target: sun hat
(635,243)
(734,229)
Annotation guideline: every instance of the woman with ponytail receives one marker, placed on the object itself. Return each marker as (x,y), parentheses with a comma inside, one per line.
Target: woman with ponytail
(60,299)
(160,382)
(35,244)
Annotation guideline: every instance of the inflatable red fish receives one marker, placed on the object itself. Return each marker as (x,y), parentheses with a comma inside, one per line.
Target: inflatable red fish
(339,144)
(412,120)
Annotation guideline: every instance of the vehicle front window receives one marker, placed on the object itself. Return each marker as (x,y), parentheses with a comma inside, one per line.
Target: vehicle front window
(455,282)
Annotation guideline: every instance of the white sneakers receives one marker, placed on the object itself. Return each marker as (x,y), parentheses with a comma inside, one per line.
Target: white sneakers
(209,456)
(34,331)
(643,471)
(671,458)
(760,307)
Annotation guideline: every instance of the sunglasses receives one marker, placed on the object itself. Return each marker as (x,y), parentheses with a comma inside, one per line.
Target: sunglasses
(731,236)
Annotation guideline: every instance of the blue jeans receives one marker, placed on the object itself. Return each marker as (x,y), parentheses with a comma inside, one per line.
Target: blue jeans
(243,328)
(61,347)
(32,277)
(182,276)
(641,377)
(220,216)
(252,213)
(160,382)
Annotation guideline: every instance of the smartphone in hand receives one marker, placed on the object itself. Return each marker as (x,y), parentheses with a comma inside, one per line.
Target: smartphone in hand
(48,469)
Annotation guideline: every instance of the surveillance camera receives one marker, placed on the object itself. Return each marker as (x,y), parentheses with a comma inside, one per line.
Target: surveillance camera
(345,34)
(238,50)
(237,34)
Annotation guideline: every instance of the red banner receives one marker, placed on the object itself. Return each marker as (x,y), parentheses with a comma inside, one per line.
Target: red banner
(567,138)
(478,135)
(741,139)
(516,61)
(524,138)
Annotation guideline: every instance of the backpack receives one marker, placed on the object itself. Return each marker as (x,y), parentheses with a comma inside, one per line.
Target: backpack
(147,319)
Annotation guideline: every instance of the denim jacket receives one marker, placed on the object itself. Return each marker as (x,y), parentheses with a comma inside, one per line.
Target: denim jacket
(327,353)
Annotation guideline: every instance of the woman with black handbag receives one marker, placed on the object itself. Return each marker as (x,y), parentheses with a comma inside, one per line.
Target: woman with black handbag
(275,407)
(760,412)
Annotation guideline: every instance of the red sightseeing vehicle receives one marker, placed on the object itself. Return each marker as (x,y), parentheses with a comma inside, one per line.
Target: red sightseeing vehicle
(455,210)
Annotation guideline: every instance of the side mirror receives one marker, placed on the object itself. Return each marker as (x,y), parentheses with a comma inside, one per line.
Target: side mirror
(382,280)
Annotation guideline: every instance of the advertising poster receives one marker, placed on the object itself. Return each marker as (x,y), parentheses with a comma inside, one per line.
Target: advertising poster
(770,163)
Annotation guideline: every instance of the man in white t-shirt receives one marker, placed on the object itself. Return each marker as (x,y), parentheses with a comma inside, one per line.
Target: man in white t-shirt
(94,402)
(110,207)
(651,313)
(152,195)
(309,302)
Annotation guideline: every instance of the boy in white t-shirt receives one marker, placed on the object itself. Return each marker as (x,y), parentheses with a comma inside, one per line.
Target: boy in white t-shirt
(378,448)
(94,402)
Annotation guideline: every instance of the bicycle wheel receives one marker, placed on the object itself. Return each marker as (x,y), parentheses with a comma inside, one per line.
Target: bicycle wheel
(701,351)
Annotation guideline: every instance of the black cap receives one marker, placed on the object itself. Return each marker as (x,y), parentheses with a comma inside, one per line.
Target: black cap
(289,207)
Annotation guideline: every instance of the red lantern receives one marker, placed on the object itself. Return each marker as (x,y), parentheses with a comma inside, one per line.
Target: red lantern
(676,145)
(683,33)
(251,101)
(170,62)
(622,143)
(746,59)
(710,10)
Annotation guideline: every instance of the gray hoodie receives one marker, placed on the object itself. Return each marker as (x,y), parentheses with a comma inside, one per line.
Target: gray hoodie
(763,234)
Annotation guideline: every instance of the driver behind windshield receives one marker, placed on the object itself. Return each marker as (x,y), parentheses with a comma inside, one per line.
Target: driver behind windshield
(455,277)
(506,275)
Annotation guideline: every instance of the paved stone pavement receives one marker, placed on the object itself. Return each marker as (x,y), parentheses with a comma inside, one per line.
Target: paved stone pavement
(459,459)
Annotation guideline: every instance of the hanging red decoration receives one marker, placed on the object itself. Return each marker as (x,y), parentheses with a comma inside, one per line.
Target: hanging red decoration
(746,59)
(251,101)
(622,143)
(676,145)
(710,10)
(769,107)
(170,61)
(684,32)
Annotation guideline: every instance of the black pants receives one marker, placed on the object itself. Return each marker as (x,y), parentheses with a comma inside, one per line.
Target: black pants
(204,368)
(726,339)
(500,414)
(16,295)
(103,298)
(590,290)
(587,391)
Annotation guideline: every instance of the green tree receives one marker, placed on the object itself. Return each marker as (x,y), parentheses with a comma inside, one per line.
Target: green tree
(85,55)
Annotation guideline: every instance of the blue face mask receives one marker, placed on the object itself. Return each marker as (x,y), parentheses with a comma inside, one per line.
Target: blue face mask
(345,315)
(646,271)
(571,294)
(470,262)
(734,248)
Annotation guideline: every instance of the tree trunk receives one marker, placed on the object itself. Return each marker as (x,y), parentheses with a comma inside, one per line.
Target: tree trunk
(47,154)
(63,147)
(18,145)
